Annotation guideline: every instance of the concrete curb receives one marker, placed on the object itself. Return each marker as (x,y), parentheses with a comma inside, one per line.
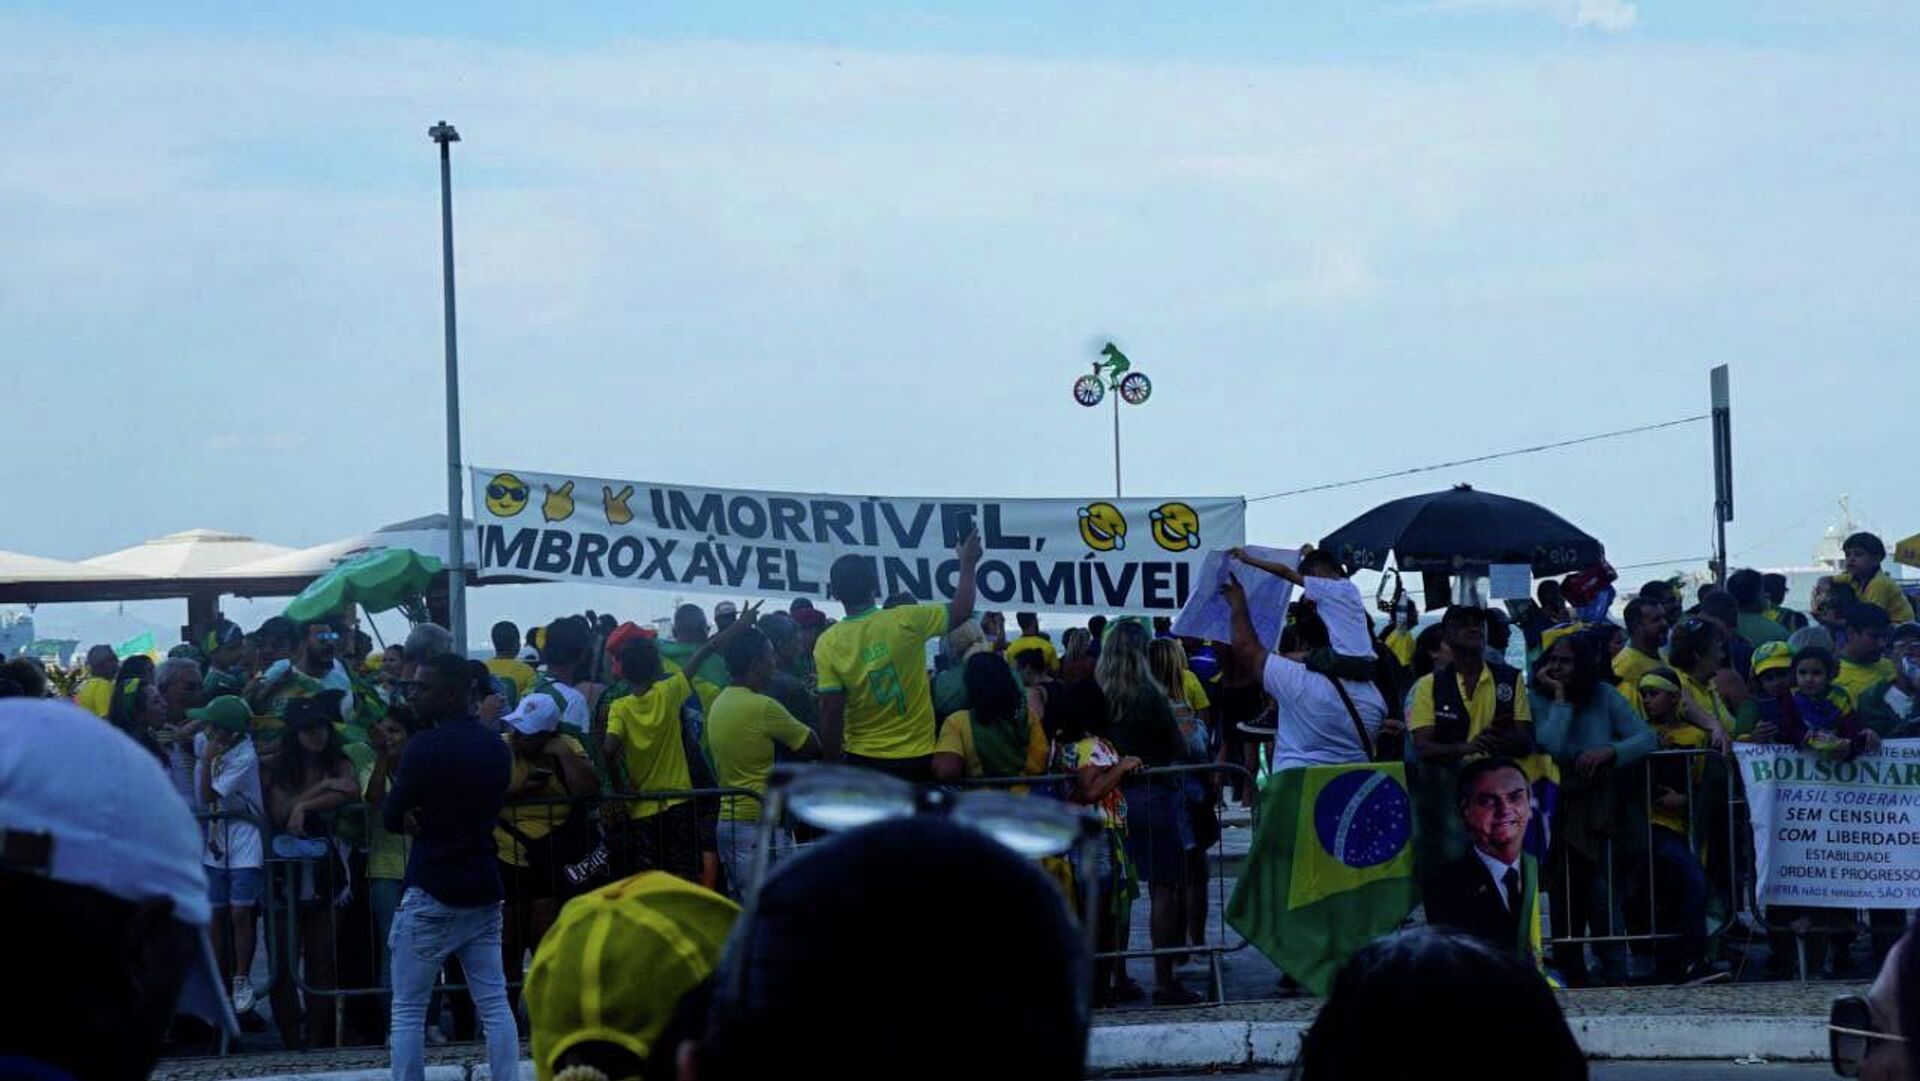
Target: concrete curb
(1230,1045)
(1225,1045)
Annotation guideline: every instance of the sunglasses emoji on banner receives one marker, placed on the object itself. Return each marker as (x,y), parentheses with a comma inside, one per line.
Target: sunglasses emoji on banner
(1103,528)
(506,495)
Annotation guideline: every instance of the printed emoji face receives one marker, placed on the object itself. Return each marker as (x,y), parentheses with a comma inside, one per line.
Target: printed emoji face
(1175,527)
(1103,527)
(506,495)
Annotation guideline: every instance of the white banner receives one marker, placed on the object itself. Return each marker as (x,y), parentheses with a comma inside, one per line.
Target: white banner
(1207,615)
(1053,555)
(1835,834)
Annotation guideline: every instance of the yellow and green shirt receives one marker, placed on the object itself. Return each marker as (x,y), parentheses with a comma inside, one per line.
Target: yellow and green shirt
(95,696)
(536,820)
(877,659)
(1856,678)
(742,729)
(1883,591)
(648,727)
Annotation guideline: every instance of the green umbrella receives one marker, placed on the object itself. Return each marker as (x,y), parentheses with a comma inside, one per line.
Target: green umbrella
(375,581)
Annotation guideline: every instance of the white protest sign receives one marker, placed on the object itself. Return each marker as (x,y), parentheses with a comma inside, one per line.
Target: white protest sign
(1835,834)
(1116,556)
(1206,615)
(1509,582)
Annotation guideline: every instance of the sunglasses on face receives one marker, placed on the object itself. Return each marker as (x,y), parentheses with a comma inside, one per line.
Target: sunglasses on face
(501,491)
(327,636)
(1852,1034)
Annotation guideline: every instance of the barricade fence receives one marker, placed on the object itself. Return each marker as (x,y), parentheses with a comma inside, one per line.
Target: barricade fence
(1173,822)
(328,899)
(1648,885)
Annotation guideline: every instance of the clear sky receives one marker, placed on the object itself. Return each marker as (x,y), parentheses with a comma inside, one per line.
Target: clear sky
(866,247)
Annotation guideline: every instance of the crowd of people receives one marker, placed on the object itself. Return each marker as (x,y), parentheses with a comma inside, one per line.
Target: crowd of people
(440,818)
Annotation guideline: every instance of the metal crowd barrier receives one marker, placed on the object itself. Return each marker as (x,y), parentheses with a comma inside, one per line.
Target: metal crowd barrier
(1724,871)
(1048,786)
(325,957)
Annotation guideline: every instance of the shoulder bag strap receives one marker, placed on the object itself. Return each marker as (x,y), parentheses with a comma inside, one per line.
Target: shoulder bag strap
(1353,711)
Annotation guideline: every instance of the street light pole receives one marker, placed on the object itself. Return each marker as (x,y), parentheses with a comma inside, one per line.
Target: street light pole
(1116,445)
(444,134)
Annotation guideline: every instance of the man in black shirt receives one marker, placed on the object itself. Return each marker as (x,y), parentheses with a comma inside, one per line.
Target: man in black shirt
(452,781)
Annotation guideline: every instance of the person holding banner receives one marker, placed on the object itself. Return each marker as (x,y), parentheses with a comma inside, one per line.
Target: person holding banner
(875,705)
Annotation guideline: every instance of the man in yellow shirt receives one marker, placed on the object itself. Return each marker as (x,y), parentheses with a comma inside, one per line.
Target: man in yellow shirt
(744,728)
(1646,634)
(1469,708)
(1865,552)
(1862,664)
(646,749)
(875,709)
(96,693)
(1031,638)
(506,664)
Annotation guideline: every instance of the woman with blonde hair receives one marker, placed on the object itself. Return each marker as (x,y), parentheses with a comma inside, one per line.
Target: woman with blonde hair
(1159,833)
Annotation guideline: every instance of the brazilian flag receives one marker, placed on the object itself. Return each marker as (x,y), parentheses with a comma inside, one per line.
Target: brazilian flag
(1330,868)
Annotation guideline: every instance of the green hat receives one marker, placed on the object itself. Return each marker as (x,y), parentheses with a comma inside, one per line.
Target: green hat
(226,711)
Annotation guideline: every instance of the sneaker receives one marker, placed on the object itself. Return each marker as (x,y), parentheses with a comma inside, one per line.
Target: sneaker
(242,994)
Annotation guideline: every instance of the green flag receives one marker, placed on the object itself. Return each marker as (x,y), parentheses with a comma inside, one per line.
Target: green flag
(1330,868)
(132,647)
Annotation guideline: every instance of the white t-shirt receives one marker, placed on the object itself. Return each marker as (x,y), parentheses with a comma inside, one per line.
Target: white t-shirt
(1313,726)
(575,712)
(1345,614)
(230,842)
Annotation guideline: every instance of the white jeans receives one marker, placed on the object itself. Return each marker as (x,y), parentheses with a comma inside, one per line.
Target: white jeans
(739,842)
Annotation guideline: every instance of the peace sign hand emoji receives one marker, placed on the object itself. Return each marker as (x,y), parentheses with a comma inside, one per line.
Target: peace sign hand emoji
(558,506)
(618,513)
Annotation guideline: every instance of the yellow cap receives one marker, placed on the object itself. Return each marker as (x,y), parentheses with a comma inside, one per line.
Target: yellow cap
(1771,656)
(616,963)
(1553,634)
(1654,681)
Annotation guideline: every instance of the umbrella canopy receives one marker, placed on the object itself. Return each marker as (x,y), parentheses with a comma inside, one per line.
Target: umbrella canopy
(376,581)
(427,536)
(18,567)
(1463,531)
(196,553)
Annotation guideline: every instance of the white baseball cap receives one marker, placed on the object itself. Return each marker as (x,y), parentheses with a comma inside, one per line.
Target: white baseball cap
(111,821)
(535,714)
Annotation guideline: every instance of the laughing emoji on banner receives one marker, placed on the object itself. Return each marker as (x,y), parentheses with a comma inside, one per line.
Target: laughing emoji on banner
(1175,527)
(1103,527)
(506,495)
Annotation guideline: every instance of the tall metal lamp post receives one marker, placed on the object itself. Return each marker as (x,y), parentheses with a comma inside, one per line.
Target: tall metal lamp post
(1113,372)
(444,134)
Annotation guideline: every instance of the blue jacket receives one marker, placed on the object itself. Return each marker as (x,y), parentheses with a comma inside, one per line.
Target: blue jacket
(1605,721)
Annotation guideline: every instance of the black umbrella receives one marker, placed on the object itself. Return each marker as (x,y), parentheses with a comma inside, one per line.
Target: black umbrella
(1461,531)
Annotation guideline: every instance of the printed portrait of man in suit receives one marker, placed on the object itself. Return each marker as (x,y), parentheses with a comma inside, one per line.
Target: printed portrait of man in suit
(1492,891)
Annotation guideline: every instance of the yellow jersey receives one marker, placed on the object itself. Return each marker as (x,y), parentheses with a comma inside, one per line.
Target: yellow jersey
(95,696)
(534,820)
(1480,711)
(518,673)
(956,737)
(878,660)
(648,726)
(1883,591)
(742,729)
(1856,678)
